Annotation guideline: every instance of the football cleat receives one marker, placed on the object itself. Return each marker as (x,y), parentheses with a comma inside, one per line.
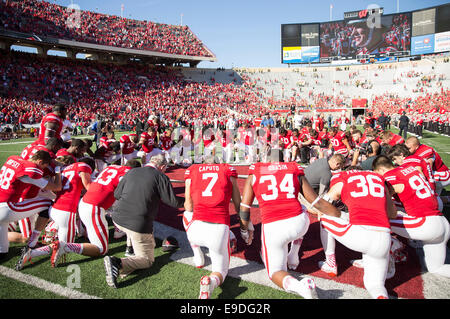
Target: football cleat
(58,253)
(205,288)
(358,263)
(118,233)
(233,242)
(391,267)
(398,250)
(50,233)
(330,270)
(25,256)
(170,244)
(112,266)
(308,288)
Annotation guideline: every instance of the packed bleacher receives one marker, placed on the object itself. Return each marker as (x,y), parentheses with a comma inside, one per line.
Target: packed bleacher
(50,20)
(30,85)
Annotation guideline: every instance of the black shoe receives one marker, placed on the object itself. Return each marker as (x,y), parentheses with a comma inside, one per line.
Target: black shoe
(112,267)
(129,251)
(24,258)
(3,256)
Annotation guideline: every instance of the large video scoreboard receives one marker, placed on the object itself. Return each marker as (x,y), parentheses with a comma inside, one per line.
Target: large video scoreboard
(367,33)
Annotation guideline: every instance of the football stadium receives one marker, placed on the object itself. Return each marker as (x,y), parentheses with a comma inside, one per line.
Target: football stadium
(133,170)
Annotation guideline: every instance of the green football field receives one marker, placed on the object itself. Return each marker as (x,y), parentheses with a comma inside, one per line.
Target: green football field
(166,279)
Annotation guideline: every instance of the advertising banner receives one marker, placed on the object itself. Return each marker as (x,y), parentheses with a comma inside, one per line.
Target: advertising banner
(292,54)
(310,54)
(422,44)
(301,54)
(442,42)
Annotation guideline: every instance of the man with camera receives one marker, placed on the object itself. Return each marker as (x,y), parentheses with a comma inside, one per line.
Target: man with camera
(366,154)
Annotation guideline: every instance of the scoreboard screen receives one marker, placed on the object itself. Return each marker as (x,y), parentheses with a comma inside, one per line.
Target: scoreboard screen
(350,38)
(300,43)
(368,33)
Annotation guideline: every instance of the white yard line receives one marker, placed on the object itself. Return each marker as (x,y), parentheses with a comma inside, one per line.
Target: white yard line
(435,287)
(43,284)
(255,272)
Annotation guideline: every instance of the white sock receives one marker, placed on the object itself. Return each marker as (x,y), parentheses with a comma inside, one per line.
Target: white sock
(34,237)
(41,251)
(215,282)
(290,284)
(73,248)
(330,259)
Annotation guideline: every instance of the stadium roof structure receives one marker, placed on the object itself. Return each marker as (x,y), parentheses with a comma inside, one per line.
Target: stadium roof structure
(96,51)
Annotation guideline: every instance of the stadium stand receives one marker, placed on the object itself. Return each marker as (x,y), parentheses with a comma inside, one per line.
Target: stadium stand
(50,20)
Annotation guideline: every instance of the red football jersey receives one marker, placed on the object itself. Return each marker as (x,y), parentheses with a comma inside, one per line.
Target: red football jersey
(63,152)
(418,198)
(149,142)
(414,160)
(10,185)
(276,187)
(396,139)
(67,199)
(338,145)
(128,145)
(363,193)
(285,141)
(225,139)
(166,142)
(101,190)
(211,191)
(247,136)
(295,140)
(208,138)
(31,149)
(50,117)
(427,152)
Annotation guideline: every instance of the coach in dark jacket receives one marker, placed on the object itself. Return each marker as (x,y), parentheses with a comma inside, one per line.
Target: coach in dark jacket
(138,198)
(403,123)
(382,120)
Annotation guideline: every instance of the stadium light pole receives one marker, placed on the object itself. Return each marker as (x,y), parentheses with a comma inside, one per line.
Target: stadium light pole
(398,6)
(181,19)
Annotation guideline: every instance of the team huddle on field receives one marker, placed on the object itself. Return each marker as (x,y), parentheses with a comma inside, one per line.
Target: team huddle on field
(381,191)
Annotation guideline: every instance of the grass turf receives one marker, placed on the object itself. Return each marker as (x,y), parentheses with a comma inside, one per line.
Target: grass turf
(166,279)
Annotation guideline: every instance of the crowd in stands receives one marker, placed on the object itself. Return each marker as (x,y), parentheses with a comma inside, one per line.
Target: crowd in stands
(30,85)
(50,20)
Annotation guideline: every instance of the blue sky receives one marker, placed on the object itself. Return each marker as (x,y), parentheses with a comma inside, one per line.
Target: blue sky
(242,33)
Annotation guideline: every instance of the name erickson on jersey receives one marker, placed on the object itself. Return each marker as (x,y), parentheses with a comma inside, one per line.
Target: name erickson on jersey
(407,170)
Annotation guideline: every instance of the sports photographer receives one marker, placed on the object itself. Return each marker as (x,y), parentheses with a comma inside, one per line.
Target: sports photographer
(365,154)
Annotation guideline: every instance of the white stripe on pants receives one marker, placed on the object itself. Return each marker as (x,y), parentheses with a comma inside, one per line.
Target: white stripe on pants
(93,218)
(216,237)
(66,224)
(374,244)
(12,212)
(276,236)
(26,225)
